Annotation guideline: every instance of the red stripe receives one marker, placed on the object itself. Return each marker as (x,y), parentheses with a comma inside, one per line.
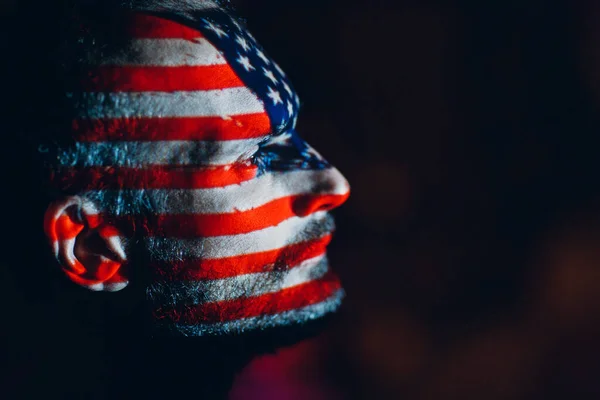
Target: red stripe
(203,225)
(62,228)
(240,222)
(104,272)
(65,227)
(269,304)
(161,79)
(143,26)
(240,265)
(235,127)
(96,178)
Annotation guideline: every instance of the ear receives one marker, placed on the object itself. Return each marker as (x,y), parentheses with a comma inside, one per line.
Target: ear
(89,250)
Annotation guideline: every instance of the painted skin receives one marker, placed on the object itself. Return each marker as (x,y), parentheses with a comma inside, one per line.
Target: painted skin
(185,145)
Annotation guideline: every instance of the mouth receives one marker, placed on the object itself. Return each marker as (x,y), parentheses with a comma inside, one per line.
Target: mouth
(276,248)
(320,225)
(313,242)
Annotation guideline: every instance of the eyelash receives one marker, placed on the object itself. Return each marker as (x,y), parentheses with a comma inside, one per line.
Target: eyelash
(278,138)
(252,153)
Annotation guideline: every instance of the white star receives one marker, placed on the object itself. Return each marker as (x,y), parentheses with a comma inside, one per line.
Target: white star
(269,74)
(282,138)
(278,68)
(216,29)
(250,36)
(281,126)
(275,96)
(236,23)
(287,88)
(290,107)
(245,61)
(262,56)
(297,100)
(242,42)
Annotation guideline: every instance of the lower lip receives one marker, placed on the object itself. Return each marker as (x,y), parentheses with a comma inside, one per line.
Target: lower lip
(200,269)
(296,254)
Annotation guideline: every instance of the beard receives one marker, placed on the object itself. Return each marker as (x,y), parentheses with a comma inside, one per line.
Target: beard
(202,359)
(284,293)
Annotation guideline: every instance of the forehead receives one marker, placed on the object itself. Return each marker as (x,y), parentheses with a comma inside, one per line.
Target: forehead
(253,66)
(204,67)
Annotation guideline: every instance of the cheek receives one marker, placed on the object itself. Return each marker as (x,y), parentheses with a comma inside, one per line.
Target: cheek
(234,258)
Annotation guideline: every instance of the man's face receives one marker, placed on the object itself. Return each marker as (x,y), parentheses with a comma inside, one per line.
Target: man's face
(186,141)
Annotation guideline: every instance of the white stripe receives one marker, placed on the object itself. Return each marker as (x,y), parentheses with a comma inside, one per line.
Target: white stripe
(206,103)
(68,246)
(170,5)
(108,287)
(292,231)
(249,285)
(173,152)
(296,316)
(115,244)
(166,53)
(243,197)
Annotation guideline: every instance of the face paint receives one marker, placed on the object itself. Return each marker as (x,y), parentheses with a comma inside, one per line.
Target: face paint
(185,139)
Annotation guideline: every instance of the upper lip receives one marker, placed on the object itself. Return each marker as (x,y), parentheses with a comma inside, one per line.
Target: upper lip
(319,228)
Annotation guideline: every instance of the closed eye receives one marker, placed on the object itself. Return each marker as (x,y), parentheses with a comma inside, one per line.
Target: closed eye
(248,154)
(271,140)
(278,139)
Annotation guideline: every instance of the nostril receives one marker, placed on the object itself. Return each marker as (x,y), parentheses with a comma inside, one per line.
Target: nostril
(306,205)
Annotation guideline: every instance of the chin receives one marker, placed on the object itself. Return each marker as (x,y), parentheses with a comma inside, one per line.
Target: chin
(291,290)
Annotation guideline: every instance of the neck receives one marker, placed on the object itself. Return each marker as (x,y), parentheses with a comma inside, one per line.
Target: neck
(202,366)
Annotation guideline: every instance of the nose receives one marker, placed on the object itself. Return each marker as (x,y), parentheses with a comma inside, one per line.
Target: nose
(330,190)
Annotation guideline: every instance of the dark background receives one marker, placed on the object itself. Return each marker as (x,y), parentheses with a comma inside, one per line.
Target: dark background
(470,247)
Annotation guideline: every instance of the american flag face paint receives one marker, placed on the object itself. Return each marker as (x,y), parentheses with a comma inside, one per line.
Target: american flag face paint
(184,139)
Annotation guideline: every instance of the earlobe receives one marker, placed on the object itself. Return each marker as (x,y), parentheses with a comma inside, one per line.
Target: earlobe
(89,250)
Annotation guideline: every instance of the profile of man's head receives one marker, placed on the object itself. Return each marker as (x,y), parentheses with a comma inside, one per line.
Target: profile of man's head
(180,171)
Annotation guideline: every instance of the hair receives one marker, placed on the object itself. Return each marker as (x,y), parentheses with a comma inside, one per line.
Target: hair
(47,50)
(31,115)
